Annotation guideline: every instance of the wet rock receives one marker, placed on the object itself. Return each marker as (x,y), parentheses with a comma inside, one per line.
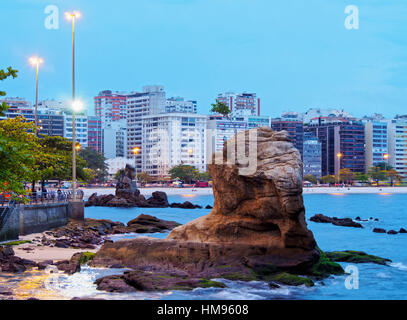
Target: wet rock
(208,207)
(379,230)
(402,230)
(392,232)
(185,205)
(257,226)
(141,280)
(346,222)
(148,224)
(355,257)
(158,200)
(43,264)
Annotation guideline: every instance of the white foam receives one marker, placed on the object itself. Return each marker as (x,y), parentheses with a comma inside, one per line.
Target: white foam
(399,265)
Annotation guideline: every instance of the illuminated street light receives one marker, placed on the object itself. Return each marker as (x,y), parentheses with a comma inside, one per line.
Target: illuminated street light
(339,156)
(135,150)
(72,16)
(35,61)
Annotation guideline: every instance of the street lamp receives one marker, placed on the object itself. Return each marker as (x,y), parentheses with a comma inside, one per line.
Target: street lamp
(35,61)
(72,16)
(136,150)
(339,156)
(386,160)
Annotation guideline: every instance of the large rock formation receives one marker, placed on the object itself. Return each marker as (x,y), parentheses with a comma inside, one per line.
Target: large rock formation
(262,208)
(257,226)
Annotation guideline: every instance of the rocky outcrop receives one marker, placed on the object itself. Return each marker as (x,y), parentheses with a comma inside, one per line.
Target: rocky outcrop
(186,205)
(345,222)
(256,228)
(10,263)
(92,232)
(139,280)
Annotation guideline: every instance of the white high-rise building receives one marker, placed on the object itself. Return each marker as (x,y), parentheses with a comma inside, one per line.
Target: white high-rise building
(397,140)
(150,101)
(81,128)
(243,104)
(221,129)
(115,139)
(179,104)
(172,139)
(376,142)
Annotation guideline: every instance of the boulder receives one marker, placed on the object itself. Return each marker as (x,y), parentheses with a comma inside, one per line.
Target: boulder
(158,200)
(345,222)
(257,225)
(392,232)
(402,230)
(185,205)
(379,230)
(148,224)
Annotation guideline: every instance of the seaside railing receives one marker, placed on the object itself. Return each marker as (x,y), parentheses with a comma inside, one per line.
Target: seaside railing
(40,198)
(6,212)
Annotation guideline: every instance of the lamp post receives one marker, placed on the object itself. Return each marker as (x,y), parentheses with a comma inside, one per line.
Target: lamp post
(75,105)
(136,150)
(386,160)
(339,156)
(35,61)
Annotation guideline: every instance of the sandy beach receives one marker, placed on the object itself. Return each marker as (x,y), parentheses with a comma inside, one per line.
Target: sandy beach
(37,253)
(208,191)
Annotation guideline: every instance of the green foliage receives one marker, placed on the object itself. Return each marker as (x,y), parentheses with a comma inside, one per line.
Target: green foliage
(352,256)
(346,175)
(183,172)
(54,160)
(384,166)
(86,257)
(376,174)
(205,283)
(310,178)
(362,177)
(325,266)
(144,177)
(292,279)
(328,179)
(202,176)
(220,108)
(10,72)
(15,243)
(96,162)
(393,175)
(17,149)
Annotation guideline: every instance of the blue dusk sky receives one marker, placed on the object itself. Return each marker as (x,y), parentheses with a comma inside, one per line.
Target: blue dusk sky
(294,54)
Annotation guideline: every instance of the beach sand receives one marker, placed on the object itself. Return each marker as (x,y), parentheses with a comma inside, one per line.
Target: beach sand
(42,253)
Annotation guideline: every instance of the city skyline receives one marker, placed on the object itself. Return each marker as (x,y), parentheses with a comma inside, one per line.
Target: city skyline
(258,49)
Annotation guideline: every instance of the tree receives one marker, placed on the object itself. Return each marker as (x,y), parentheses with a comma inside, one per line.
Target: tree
(96,162)
(384,166)
(376,174)
(346,175)
(393,175)
(329,179)
(54,161)
(144,177)
(202,176)
(310,178)
(361,177)
(17,149)
(4,75)
(220,108)
(183,172)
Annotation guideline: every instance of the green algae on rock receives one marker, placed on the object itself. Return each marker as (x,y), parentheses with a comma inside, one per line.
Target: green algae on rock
(356,257)
(292,279)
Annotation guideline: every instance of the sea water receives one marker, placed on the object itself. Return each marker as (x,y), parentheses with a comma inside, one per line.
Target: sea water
(375,281)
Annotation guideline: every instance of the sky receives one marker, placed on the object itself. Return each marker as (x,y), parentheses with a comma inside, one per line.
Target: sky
(294,54)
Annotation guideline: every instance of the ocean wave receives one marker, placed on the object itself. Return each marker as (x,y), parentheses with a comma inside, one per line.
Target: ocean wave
(398,265)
